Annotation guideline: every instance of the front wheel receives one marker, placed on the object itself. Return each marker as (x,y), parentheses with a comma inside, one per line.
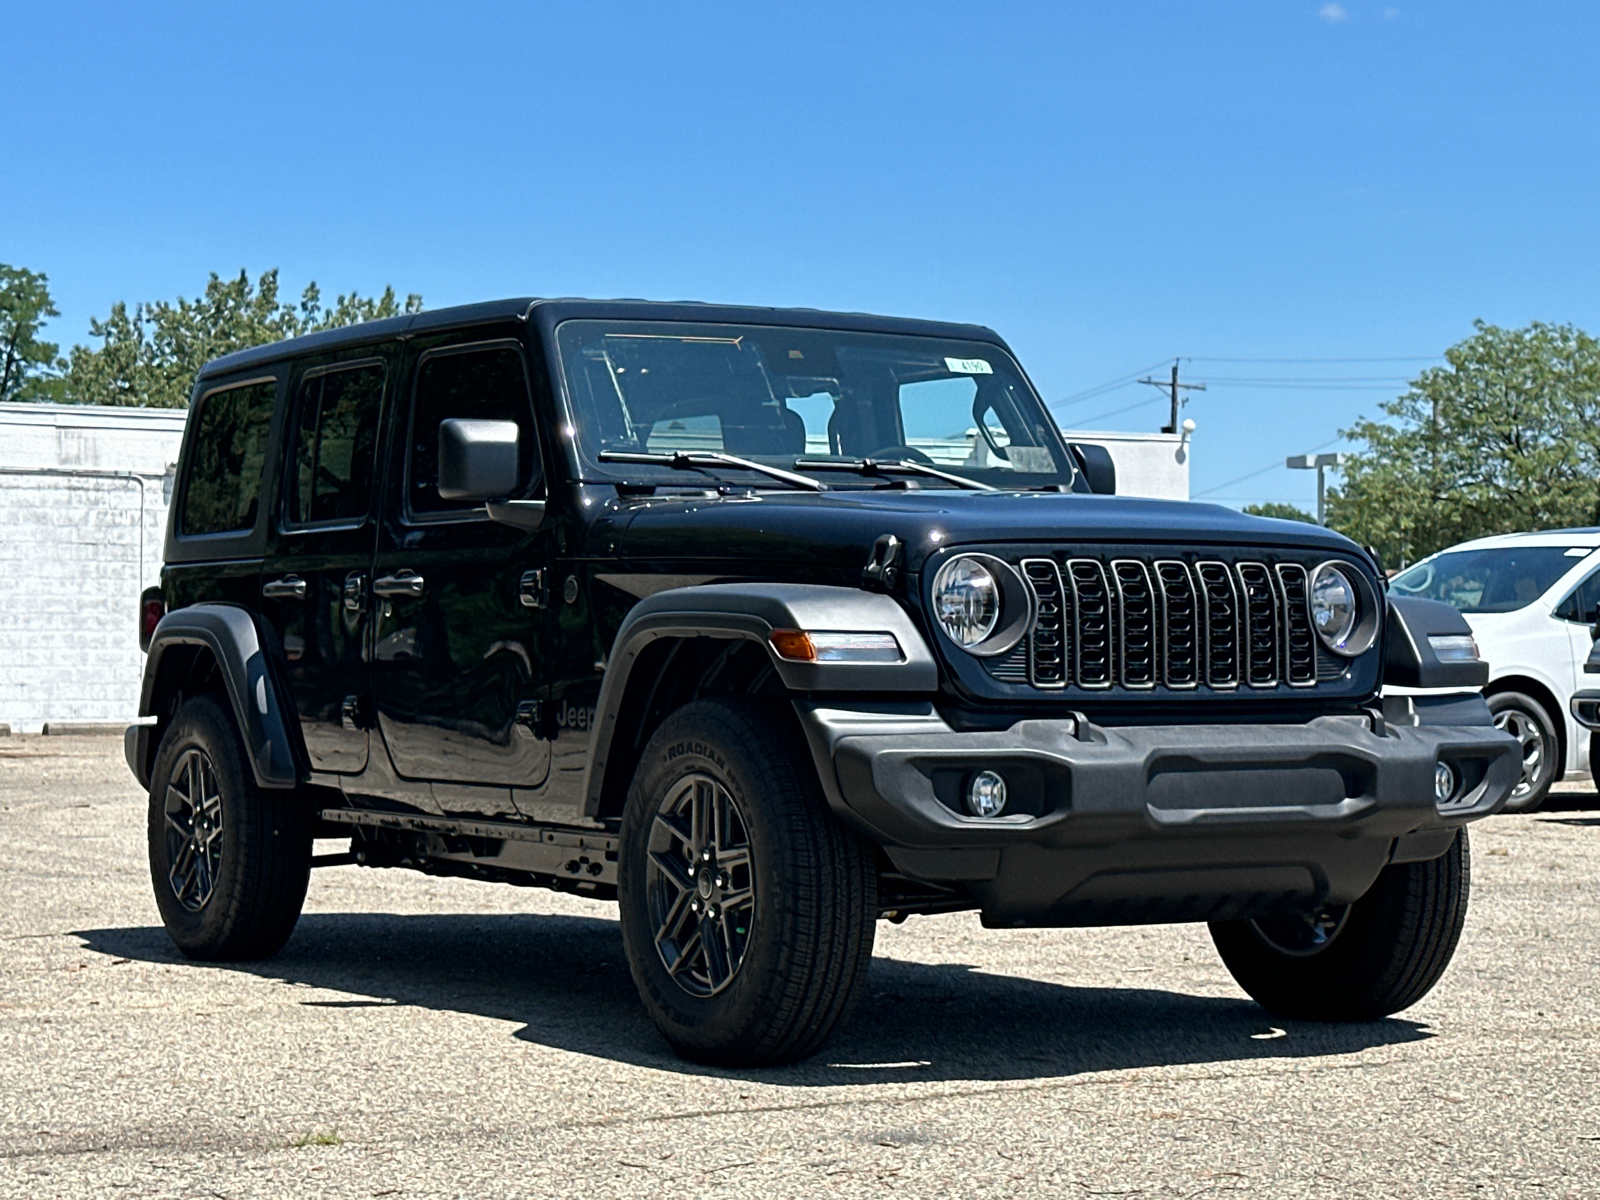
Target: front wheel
(1525,719)
(748,911)
(229,861)
(1361,961)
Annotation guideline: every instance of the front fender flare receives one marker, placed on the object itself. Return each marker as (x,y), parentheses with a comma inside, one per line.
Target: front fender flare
(752,611)
(266,723)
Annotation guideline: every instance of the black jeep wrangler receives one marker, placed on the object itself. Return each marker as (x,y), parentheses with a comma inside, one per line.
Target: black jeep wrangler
(771,625)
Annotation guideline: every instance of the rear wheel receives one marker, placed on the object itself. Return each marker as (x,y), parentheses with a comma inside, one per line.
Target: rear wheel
(1525,719)
(229,861)
(748,911)
(1360,961)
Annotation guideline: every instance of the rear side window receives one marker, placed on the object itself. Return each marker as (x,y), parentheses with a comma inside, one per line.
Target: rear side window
(228,452)
(335,440)
(486,384)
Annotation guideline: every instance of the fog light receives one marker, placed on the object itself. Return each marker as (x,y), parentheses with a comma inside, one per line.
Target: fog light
(1444,782)
(986,794)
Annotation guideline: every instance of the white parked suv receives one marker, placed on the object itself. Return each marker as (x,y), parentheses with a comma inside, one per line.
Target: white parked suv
(1531,599)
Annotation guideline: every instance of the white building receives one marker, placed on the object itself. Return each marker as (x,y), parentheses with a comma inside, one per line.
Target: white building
(1148,464)
(83,511)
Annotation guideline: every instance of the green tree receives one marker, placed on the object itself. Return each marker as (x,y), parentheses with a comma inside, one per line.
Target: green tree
(1504,437)
(26,363)
(1284,512)
(151,355)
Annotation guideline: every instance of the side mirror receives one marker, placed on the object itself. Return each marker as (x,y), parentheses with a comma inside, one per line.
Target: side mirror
(477,459)
(1095,463)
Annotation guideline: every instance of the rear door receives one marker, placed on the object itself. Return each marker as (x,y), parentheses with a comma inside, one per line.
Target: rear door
(459,654)
(314,582)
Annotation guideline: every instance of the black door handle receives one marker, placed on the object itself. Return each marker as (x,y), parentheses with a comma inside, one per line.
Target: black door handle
(290,587)
(401,583)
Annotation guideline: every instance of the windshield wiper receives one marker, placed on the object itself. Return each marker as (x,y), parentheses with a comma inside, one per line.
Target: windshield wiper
(873,466)
(689,460)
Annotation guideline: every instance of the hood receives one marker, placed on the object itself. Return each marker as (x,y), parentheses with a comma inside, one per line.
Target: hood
(836,530)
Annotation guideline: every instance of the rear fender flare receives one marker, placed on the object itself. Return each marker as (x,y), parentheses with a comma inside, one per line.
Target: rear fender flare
(752,611)
(266,722)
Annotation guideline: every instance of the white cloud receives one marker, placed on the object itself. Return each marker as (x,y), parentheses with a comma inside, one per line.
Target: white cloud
(1333,13)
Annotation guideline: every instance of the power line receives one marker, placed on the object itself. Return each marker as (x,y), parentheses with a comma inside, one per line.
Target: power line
(1306,379)
(1271,466)
(1101,389)
(1118,411)
(1405,358)
(1310,387)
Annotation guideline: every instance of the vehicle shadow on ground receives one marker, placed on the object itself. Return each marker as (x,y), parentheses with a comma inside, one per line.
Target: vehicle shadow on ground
(565,980)
(1570,802)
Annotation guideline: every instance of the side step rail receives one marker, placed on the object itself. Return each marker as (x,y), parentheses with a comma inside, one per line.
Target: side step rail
(587,856)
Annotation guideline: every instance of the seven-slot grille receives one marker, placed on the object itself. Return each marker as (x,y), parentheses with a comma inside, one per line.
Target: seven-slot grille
(1138,624)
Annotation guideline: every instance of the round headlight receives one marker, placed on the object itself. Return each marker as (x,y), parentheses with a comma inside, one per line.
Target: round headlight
(966,601)
(1334,609)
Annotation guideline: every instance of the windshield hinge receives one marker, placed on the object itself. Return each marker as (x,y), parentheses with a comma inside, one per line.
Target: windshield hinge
(883,565)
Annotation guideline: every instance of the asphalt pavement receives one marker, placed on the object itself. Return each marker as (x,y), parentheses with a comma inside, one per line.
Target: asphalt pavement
(426,1037)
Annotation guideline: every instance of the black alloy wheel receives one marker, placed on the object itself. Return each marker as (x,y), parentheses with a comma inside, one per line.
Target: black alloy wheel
(1525,719)
(193,807)
(229,861)
(701,890)
(748,910)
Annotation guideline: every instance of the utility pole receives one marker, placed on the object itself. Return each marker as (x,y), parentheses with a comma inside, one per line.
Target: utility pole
(1174,387)
(1305,462)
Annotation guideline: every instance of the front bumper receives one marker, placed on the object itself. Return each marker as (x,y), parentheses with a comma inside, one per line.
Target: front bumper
(1160,822)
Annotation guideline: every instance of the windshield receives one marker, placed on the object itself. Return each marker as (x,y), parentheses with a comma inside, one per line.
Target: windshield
(1489,581)
(809,400)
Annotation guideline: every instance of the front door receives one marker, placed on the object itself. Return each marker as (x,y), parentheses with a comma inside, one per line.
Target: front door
(313,582)
(459,647)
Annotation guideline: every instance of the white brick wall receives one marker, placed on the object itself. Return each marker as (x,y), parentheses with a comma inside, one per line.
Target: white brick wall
(78,542)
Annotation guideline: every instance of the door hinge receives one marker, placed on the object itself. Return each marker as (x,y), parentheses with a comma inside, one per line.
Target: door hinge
(354,715)
(883,566)
(530,715)
(355,593)
(531,591)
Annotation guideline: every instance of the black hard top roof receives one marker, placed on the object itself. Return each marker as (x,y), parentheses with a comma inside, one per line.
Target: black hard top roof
(549,313)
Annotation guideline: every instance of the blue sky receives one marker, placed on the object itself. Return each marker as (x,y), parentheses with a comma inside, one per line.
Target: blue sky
(1108,185)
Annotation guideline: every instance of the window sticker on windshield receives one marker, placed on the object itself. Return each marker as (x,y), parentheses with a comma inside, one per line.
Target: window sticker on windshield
(968,366)
(1579,552)
(1033,459)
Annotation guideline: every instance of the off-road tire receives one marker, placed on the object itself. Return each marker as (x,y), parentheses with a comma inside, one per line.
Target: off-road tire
(814,884)
(1392,948)
(260,884)
(1519,706)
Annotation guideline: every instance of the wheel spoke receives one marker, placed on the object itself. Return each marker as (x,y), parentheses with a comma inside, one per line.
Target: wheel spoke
(700,816)
(731,860)
(181,876)
(177,802)
(673,921)
(675,829)
(694,946)
(674,870)
(733,900)
(716,953)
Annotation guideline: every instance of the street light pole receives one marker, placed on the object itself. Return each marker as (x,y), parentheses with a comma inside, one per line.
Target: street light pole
(1305,462)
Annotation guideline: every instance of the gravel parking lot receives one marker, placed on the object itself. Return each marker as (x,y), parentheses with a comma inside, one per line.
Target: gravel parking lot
(436,1037)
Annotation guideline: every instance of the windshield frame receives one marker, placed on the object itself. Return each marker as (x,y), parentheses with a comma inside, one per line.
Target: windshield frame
(1551,596)
(585,467)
